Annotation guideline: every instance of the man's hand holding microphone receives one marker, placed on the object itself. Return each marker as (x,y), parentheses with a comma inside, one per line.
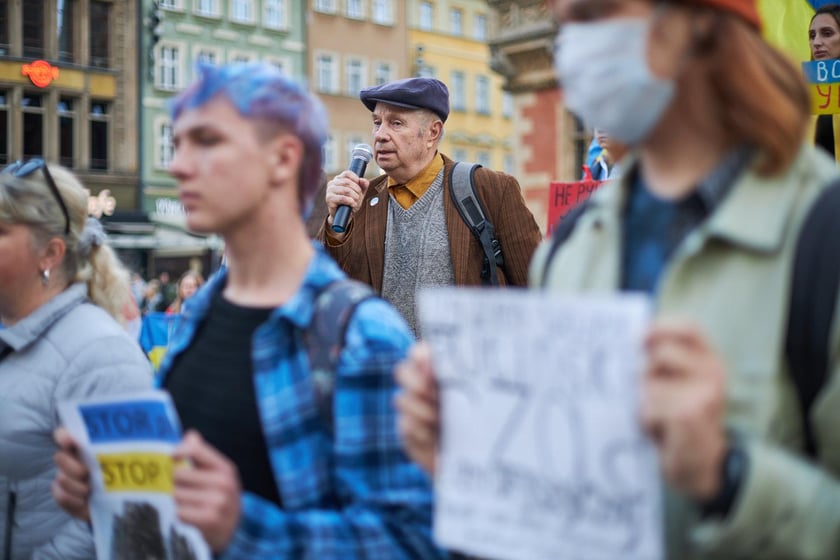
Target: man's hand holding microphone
(347,190)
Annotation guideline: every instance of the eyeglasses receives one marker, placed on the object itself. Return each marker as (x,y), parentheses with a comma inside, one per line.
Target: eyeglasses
(22,169)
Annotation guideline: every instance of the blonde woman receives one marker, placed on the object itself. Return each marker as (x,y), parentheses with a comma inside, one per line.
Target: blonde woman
(62,291)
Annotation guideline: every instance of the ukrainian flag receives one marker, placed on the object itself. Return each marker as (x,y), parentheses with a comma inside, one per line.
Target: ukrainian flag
(786,24)
(154,335)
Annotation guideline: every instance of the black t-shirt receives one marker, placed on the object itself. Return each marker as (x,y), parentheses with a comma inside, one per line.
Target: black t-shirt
(212,386)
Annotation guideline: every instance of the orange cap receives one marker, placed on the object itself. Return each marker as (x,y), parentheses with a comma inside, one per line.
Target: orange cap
(746,9)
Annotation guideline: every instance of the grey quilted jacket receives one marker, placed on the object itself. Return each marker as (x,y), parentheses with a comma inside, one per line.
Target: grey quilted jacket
(65,350)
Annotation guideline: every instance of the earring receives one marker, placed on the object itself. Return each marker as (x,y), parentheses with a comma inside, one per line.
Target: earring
(45,276)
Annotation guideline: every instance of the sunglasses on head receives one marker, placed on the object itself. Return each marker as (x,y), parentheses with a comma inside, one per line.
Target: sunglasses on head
(24,168)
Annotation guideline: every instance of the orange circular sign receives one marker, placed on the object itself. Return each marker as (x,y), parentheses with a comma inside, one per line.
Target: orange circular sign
(41,73)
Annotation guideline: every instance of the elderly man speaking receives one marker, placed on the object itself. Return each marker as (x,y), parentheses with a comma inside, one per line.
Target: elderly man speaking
(405,231)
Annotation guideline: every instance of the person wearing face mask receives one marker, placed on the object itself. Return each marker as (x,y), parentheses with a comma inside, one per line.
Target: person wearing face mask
(705,219)
(824,40)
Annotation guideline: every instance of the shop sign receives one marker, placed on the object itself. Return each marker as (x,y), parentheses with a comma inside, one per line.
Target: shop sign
(41,73)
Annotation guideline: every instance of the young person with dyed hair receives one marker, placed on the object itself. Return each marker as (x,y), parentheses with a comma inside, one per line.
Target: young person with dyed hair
(705,219)
(267,477)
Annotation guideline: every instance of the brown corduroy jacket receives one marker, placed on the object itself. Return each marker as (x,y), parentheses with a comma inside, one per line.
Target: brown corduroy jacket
(361,253)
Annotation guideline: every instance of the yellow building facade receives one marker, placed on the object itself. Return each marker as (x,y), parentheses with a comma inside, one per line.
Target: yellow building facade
(448,40)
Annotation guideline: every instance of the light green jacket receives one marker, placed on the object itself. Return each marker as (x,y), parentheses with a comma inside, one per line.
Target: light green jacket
(732,276)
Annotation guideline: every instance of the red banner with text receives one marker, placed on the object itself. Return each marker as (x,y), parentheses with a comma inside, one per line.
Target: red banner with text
(562,197)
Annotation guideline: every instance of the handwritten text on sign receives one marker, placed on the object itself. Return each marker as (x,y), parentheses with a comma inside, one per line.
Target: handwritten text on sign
(562,197)
(823,77)
(542,453)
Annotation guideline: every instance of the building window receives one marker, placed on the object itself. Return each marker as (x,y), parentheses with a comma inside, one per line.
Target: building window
(66,17)
(355,71)
(33,29)
(383,73)
(4,127)
(326,6)
(242,10)
(483,158)
(207,8)
(383,11)
(67,131)
(165,149)
(352,141)
(482,95)
(169,4)
(509,164)
(32,106)
(325,72)
(459,154)
(507,104)
(99,135)
(241,57)
(329,154)
(207,56)
(276,14)
(427,16)
(456,24)
(480,27)
(168,68)
(4,27)
(99,37)
(355,9)
(458,91)
(280,63)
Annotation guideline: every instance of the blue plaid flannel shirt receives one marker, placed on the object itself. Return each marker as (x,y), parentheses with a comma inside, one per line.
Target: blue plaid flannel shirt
(351,495)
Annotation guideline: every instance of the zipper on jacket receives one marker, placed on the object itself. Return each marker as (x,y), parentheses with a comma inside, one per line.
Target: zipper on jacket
(10,518)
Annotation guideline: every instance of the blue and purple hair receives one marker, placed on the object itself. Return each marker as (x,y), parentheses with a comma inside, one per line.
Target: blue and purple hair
(261,92)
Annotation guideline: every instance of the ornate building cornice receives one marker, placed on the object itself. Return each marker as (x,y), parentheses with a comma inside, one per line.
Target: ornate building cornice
(522,48)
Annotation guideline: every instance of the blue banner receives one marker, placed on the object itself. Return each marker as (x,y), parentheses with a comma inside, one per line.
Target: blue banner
(822,71)
(129,421)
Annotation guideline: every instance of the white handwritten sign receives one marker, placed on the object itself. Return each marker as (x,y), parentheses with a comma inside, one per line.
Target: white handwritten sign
(542,454)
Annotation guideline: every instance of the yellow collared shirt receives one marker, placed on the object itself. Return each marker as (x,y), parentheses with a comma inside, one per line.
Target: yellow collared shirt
(410,192)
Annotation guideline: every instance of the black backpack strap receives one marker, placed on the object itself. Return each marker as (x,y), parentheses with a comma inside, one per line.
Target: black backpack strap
(561,233)
(325,336)
(462,189)
(816,275)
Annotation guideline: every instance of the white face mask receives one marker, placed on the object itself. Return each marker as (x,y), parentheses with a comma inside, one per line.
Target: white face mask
(606,81)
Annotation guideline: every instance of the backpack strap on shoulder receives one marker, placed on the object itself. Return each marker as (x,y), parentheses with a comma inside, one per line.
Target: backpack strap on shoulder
(561,233)
(324,338)
(816,276)
(472,211)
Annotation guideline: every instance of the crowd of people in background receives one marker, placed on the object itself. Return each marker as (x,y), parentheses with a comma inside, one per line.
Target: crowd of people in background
(160,295)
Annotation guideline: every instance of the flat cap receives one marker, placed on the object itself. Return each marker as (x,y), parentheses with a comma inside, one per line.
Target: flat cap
(413,93)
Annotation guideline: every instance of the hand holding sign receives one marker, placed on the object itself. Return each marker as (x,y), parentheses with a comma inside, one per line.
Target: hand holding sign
(207,490)
(125,484)
(823,77)
(542,455)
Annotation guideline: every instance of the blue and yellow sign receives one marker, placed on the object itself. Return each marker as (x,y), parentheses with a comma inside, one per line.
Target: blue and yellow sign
(137,472)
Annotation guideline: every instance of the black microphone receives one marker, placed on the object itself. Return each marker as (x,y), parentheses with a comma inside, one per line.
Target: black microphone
(359,158)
